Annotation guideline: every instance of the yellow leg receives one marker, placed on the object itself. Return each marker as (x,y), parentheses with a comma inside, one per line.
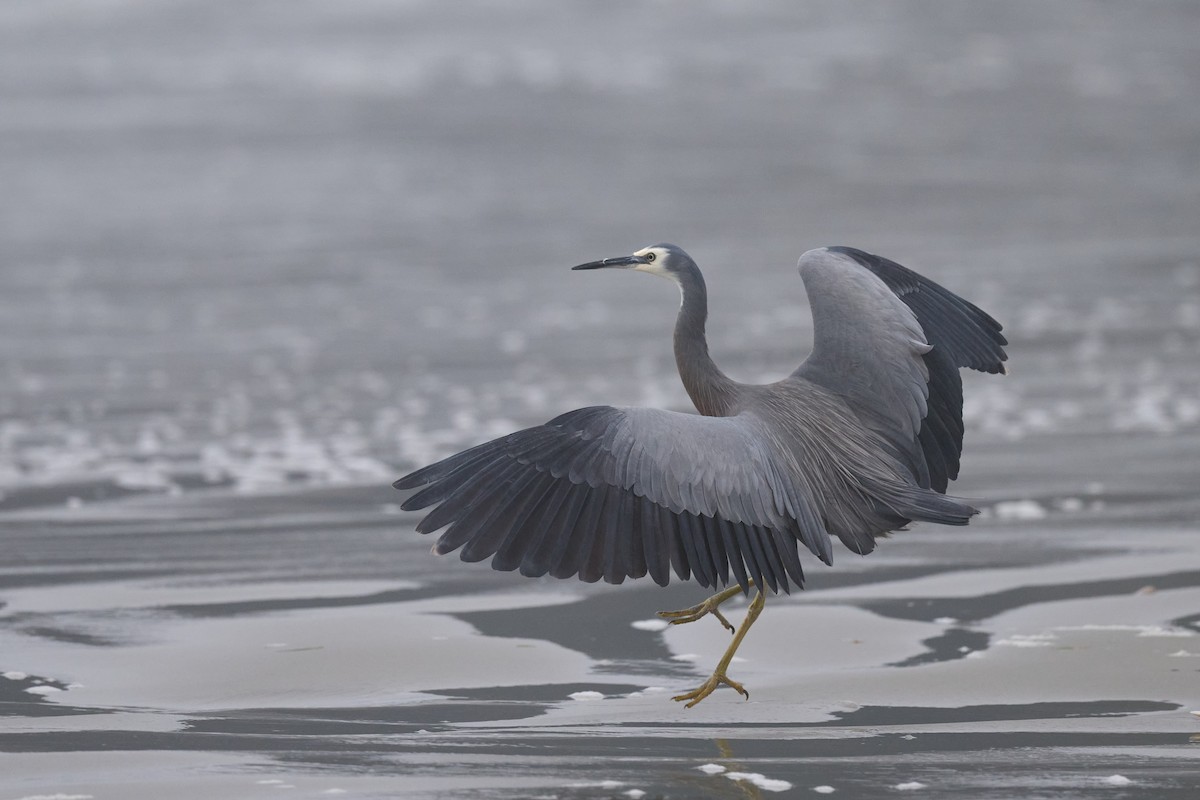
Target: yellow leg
(718,677)
(710,606)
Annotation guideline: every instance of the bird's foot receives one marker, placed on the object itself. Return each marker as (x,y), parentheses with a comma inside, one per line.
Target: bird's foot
(710,606)
(708,687)
(696,612)
(718,677)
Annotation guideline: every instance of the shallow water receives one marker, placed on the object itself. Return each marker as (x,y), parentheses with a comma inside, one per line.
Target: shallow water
(261,260)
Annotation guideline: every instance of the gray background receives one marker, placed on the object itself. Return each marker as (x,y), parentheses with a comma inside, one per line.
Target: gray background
(257,259)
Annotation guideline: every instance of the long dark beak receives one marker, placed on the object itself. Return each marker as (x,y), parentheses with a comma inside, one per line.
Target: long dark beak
(621,262)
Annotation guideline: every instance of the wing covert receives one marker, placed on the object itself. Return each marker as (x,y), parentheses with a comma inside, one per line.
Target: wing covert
(868,348)
(891,342)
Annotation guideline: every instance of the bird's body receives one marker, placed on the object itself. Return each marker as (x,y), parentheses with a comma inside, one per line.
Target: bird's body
(860,440)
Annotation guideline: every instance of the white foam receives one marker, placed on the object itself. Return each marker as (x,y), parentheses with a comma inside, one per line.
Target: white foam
(1020,510)
(141,478)
(824,789)
(43,690)
(1028,640)
(686,657)
(760,780)
(1117,780)
(650,624)
(634,794)
(910,786)
(1070,505)
(1159,408)
(586,696)
(1158,630)
(1140,630)
(711,769)
(14,675)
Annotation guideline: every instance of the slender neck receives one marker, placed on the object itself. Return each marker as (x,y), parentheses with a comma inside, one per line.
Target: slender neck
(713,392)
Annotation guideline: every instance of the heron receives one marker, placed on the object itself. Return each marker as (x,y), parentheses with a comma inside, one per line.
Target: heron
(859,441)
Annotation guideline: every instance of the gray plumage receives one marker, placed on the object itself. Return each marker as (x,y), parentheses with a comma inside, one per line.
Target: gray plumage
(860,440)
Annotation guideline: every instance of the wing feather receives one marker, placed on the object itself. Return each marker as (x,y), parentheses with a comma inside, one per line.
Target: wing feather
(729,539)
(678,551)
(520,532)
(557,539)
(576,548)
(609,493)
(716,548)
(617,537)
(467,494)
(655,543)
(530,547)
(776,557)
(785,545)
(745,535)
(485,527)
(906,337)
(634,543)
(696,550)
(867,347)
(963,330)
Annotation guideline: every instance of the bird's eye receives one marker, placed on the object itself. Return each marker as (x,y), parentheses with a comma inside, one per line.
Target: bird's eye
(650,256)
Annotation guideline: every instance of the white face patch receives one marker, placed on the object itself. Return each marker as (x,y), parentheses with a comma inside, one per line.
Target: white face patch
(655,267)
(657,257)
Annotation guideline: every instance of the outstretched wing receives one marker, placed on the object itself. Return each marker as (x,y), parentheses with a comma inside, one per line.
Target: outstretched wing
(607,492)
(891,342)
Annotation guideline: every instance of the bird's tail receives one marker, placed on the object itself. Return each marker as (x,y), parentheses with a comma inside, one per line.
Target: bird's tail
(923,505)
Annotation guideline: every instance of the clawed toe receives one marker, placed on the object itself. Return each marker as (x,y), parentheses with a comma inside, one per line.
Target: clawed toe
(708,687)
(694,613)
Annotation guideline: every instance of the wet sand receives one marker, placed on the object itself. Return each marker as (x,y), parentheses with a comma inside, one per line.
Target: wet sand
(260,263)
(1017,657)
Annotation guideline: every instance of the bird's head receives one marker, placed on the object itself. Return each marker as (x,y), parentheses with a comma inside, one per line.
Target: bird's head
(663,260)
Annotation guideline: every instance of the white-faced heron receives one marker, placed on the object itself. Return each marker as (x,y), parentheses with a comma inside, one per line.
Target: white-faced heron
(859,441)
